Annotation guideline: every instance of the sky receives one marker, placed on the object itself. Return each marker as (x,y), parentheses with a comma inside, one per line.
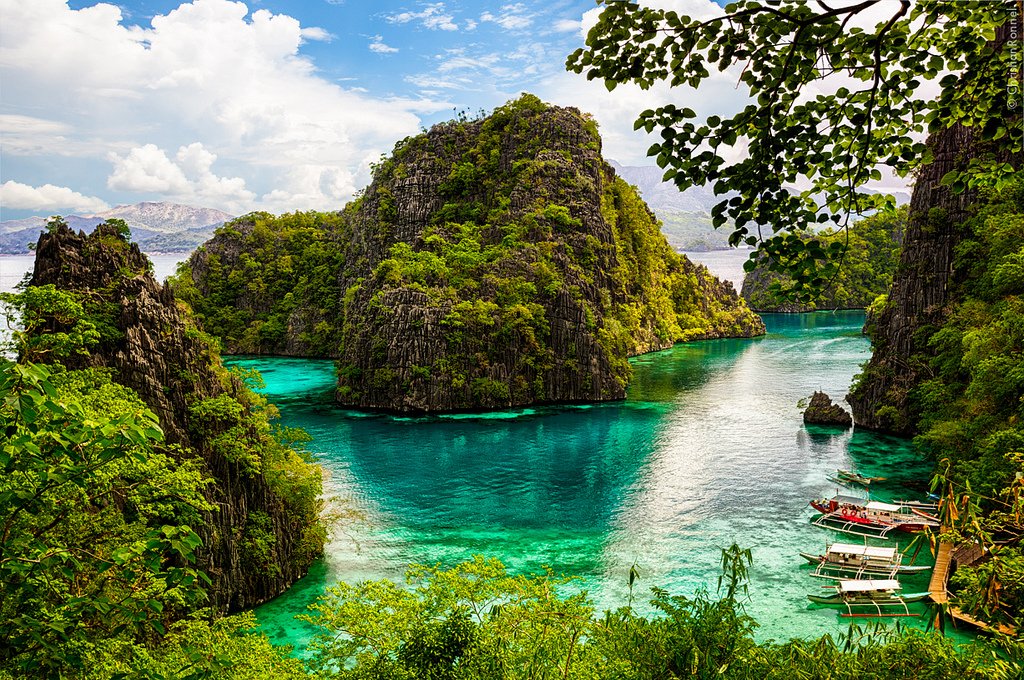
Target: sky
(278,105)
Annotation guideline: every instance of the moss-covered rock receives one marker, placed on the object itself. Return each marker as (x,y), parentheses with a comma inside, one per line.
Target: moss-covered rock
(491,263)
(821,411)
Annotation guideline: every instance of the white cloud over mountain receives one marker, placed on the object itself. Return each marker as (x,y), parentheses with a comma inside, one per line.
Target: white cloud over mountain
(208,79)
(189,177)
(47,197)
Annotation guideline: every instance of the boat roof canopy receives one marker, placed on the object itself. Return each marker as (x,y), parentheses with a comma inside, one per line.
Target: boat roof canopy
(862,586)
(850,500)
(885,507)
(863,550)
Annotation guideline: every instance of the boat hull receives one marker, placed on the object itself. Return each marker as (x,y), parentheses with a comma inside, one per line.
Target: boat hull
(866,517)
(838,599)
(820,561)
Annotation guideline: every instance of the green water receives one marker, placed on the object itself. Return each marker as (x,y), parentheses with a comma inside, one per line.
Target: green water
(707,450)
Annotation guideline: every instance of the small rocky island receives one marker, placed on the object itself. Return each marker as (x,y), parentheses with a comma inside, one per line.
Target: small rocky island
(491,263)
(821,411)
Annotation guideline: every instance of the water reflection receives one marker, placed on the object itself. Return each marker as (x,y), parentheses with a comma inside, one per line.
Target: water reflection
(708,449)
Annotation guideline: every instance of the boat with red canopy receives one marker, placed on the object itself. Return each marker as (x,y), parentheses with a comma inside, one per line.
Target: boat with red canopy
(863,517)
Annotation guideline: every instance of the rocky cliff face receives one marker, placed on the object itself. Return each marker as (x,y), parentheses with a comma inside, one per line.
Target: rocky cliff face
(156,350)
(917,301)
(491,263)
(570,274)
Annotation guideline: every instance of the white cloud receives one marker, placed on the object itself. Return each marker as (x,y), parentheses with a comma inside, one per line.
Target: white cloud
(567,26)
(188,178)
(426,81)
(377,45)
(315,33)
(206,72)
(459,62)
(147,170)
(433,16)
(18,196)
(511,17)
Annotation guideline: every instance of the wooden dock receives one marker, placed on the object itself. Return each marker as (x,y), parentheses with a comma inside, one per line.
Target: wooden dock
(964,555)
(961,617)
(940,574)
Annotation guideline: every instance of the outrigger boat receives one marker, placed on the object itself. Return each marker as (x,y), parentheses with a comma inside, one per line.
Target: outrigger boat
(850,561)
(925,506)
(874,595)
(862,517)
(850,477)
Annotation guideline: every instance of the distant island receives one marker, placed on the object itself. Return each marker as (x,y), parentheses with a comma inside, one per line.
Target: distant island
(157,227)
(872,255)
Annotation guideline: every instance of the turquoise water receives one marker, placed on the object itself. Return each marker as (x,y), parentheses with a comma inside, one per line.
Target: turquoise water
(708,449)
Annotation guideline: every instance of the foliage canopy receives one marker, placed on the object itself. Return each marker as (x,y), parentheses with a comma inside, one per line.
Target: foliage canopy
(832,100)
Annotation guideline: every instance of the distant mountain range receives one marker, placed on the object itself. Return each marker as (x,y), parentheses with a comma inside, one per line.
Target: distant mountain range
(685,215)
(156,227)
(175,228)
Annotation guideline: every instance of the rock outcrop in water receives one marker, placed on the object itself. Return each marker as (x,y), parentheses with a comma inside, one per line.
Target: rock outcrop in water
(490,263)
(821,411)
(265,533)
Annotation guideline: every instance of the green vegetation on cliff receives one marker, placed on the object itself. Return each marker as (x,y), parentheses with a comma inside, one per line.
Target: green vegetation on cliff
(284,267)
(967,403)
(131,450)
(490,263)
(969,407)
(98,550)
(872,252)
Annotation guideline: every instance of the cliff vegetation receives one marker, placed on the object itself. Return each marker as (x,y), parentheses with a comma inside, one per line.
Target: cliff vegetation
(491,263)
(872,248)
(142,480)
(966,400)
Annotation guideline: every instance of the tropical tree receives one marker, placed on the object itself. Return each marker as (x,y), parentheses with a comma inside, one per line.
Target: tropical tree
(837,90)
(95,535)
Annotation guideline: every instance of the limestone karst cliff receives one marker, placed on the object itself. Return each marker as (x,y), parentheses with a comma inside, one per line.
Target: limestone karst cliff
(264,532)
(920,291)
(490,263)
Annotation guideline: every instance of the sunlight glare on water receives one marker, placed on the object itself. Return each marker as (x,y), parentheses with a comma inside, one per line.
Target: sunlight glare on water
(708,449)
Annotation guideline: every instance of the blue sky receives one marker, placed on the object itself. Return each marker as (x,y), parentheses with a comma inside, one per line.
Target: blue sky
(275,105)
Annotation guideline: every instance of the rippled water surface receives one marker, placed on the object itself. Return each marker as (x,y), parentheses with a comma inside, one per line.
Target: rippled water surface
(707,450)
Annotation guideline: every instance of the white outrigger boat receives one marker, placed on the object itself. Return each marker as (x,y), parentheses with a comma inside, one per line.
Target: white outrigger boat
(846,477)
(930,507)
(851,561)
(878,597)
(874,519)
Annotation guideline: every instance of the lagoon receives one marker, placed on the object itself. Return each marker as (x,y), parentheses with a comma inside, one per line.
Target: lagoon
(708,449)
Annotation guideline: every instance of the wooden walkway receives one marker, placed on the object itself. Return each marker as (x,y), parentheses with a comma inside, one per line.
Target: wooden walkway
(958,615)
(940,577)
(940,574)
